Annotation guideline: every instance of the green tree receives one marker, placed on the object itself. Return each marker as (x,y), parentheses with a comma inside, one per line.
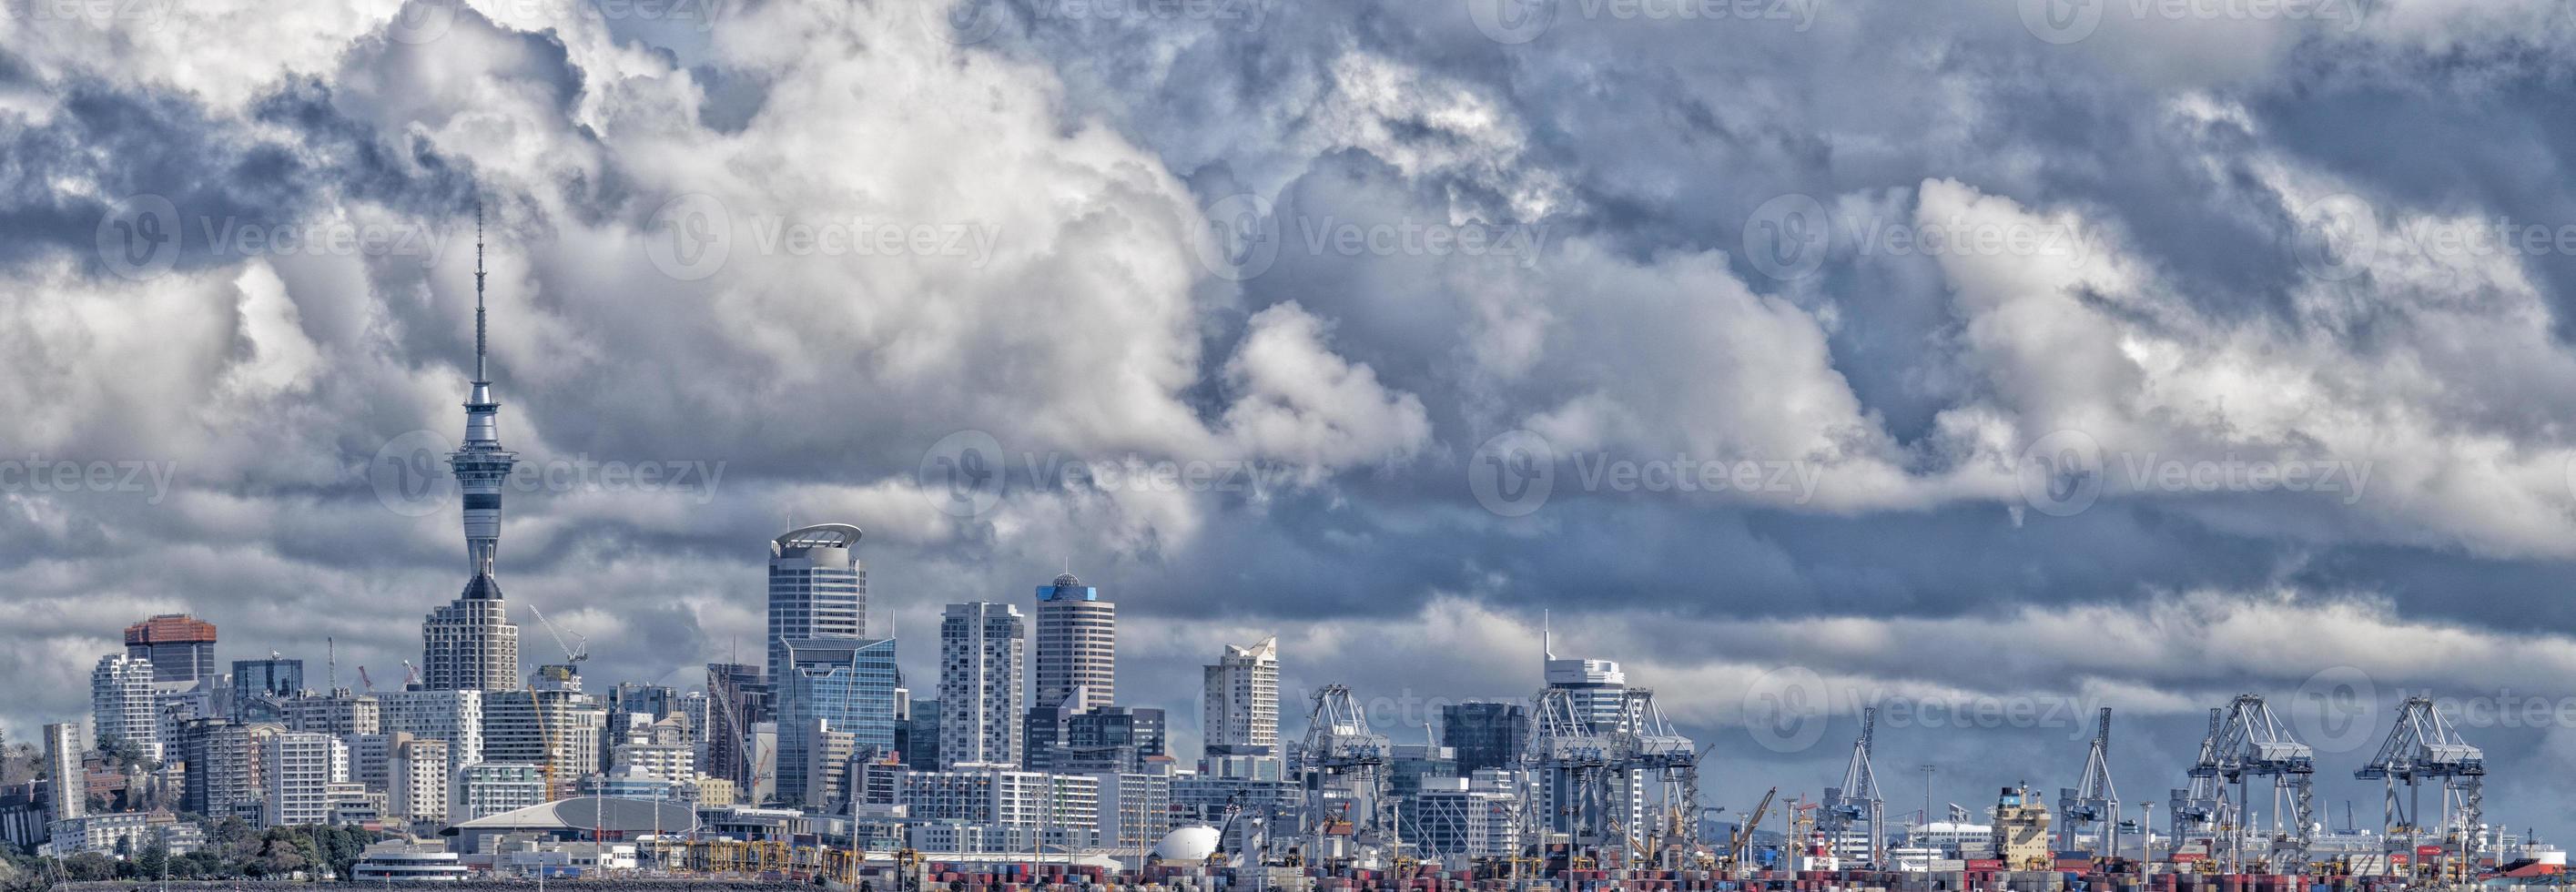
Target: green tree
(89,867)
(151,861)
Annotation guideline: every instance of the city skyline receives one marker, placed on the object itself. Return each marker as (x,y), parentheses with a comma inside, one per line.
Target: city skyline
(1982,368)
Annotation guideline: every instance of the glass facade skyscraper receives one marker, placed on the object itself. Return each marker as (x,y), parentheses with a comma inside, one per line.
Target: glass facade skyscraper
(833,685)
(1485,734)
(817,589)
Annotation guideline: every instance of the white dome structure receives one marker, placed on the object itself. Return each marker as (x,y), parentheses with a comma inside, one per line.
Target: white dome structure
(1187,845)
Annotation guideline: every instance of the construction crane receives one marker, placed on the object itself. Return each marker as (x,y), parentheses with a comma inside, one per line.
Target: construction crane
(411,674)
(2250,742)
(2422,745)
(2092,802)
(574,651)
(370,683)
(1858,798)
(1742,838)
(1342,759)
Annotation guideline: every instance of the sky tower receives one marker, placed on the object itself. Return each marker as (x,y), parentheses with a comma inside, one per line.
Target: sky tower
(470,644)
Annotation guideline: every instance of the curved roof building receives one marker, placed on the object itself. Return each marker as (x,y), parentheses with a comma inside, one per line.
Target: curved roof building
(817,589)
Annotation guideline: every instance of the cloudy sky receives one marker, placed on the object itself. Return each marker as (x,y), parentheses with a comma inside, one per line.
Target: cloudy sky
(1990,361)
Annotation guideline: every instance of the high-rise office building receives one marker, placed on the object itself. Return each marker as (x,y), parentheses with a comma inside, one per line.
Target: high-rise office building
(262,687)
(982,649)
(918,737)
(549,727)
(1485,734)
(455,717)
(832,686)
(469,644)
(235,772)
(1241,700)
(419,779)
(738,696)
(337,713)
(1077,645)
(66,784)
(297,771)
(817,589)
(1115,739)
(181,647)
(122,705)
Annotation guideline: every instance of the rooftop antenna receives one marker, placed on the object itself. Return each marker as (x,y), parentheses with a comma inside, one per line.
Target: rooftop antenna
(479,376)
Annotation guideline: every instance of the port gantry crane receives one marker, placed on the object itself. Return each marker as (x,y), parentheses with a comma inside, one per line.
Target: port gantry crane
(1858,796)
(1670,762)
(2092,802)
(1343,759)
(2250,742)
(2421,746)
(1595,771)
(2197,812)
